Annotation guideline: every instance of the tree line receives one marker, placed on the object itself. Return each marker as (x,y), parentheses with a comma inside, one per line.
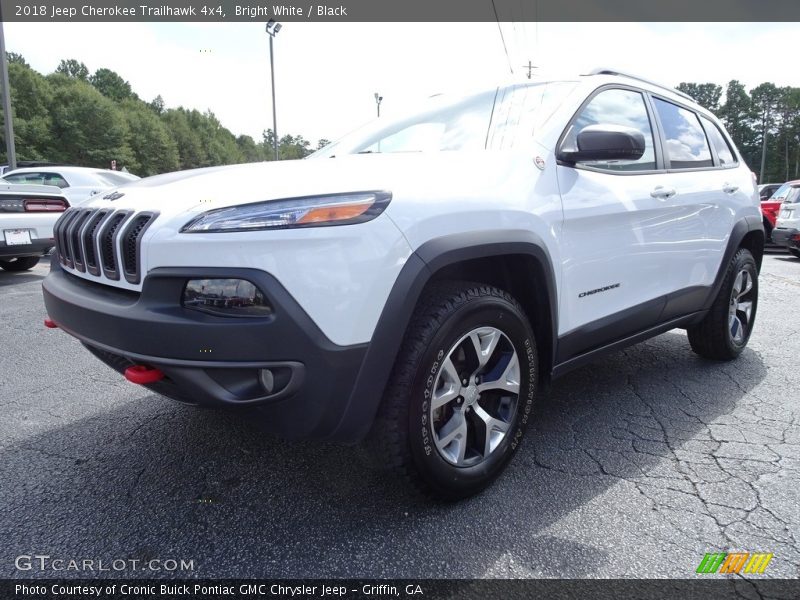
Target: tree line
(764,124)
(88,119)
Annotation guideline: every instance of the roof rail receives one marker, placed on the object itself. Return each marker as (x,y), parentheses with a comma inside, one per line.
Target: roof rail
(603,71)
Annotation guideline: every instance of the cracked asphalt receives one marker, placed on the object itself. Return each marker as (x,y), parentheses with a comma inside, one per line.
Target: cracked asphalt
(635,466)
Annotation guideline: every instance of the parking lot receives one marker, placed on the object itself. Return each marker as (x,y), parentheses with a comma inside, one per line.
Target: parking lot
(636,466)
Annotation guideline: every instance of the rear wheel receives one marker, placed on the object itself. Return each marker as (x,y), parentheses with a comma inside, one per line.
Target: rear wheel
(23,263)
(461,392)
(794,252)
(724,332)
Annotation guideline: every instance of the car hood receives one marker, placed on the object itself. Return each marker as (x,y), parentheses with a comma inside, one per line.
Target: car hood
(198,190)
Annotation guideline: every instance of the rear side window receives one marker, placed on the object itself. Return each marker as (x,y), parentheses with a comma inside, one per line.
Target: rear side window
(724,151)
(55,179)
(616,107)
(686,144)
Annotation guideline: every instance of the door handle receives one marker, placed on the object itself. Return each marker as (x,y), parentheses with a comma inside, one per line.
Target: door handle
(730,189)
(663,193)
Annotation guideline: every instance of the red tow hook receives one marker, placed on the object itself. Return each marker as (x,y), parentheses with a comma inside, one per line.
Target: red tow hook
(49,323)
(142,374)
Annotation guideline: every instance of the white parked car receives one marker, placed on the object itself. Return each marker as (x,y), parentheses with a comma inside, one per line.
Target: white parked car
(27,216)
(78,184)
(413,284)
(787,225)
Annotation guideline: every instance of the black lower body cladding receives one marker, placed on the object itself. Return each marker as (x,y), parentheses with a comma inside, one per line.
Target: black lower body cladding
(216,360)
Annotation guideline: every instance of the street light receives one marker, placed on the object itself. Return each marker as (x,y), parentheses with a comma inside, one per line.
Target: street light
(272,29)
(378,100)
(7,117)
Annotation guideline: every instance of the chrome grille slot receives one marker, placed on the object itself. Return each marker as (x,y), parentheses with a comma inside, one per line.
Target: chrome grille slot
(61,238)
(89,240)
(73,239)
(131,240)
(108,244)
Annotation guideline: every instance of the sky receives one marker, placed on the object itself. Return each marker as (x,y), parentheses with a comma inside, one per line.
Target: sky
(327,73)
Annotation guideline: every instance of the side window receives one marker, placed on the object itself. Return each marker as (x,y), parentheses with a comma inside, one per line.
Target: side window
(55,179)
(26,178)
(686,143)
(724,151)
(616,107)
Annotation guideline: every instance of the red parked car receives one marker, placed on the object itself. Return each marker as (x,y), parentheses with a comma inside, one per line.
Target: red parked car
(772,195)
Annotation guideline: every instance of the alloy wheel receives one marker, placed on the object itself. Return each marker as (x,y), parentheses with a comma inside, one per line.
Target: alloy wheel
(475,397)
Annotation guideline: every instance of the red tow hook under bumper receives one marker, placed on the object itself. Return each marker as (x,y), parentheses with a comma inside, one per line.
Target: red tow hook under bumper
(49,323)
(142,374)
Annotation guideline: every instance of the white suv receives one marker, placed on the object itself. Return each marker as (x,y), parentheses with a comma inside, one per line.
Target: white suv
(413,284)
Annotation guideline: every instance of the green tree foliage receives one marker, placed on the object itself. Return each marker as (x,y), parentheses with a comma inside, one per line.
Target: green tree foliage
(706,95)
(154,150)
(14,58)
(29,97)
(73,69)
(87,129)
(111,85)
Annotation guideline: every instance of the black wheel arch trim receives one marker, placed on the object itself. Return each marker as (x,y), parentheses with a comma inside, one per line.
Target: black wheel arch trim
(741,228)
(420,268)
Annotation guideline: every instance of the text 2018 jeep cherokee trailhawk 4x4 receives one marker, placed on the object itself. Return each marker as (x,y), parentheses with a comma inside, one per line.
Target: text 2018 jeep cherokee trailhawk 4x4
(413,283)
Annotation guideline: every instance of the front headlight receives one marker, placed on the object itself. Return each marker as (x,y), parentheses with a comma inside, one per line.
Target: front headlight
(308,211)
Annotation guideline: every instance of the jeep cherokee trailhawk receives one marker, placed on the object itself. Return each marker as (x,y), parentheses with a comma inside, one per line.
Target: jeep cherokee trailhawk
(413,284)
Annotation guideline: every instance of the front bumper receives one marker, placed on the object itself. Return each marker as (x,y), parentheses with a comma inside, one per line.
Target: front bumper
(214,360)
(783,236)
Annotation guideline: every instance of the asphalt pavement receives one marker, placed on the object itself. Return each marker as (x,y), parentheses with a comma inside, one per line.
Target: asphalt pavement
(635,466)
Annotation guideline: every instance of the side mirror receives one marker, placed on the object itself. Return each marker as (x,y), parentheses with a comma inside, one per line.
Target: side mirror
(605,142)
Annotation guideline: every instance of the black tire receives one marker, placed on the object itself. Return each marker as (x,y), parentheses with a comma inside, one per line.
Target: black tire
(794,252)
(20,264)
(717,337)
(405,435)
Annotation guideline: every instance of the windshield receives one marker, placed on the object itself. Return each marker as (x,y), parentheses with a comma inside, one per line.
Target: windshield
(442,124)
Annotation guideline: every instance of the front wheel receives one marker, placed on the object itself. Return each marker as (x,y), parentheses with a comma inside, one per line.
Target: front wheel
(461,392)
(725,330)
(24,263)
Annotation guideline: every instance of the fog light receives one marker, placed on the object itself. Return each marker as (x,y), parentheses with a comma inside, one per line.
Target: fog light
(267,380)
(226,297)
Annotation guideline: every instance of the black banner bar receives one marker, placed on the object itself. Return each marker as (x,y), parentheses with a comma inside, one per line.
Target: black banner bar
(402,11)
(441,589)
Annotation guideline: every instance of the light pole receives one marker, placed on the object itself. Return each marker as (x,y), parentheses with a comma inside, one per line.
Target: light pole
(378,100)
(7,117)
(272,29)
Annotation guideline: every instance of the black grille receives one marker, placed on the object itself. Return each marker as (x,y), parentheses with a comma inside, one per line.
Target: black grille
(74,240)
(108,253)
(89,245)
(87,240)
(59,233)
(130,245)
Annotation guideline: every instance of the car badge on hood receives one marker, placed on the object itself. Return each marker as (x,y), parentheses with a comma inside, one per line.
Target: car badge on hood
(113,196)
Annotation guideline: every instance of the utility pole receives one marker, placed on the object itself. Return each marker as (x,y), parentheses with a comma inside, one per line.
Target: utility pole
(272,29)
(530,66)
(378,100)
(7,117)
